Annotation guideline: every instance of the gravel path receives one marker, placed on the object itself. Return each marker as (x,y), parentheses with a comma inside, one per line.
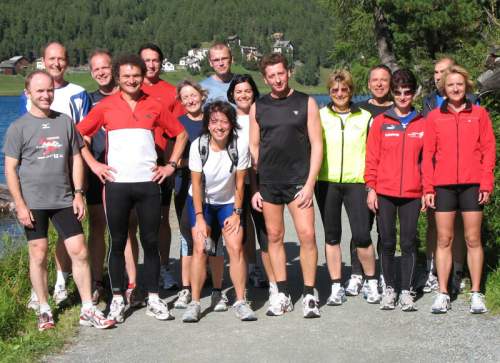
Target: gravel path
(356,331)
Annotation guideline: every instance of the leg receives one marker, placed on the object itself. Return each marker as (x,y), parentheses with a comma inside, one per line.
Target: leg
(387,227)
(273,215)
(237,263)
(77,251)
(63,262)
(132,249)
(38,268)
(444,224)
(408,212)
(475,254)
(261,232)
(97,245)
(431,239)
(165,236)
(303,220)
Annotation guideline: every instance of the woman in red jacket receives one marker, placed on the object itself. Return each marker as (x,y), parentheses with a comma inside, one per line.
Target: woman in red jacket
(458,164)
(393,180)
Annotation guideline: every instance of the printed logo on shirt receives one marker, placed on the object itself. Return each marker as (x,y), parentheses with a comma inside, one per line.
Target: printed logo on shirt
(417,135)
(392,134)
(295,112)
(45,126)
(50,147)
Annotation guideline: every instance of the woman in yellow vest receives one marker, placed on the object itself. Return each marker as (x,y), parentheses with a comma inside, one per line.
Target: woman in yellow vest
(340,181)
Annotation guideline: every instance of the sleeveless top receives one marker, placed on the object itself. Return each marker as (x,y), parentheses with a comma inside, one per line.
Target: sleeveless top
(285,150)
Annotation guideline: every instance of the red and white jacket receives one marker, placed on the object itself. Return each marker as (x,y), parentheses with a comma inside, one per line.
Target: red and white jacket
(393,155)
(459,148)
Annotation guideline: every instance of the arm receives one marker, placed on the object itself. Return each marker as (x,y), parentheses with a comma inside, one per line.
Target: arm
(488,156)
(78,175)
(23,213)
(254,138)
(161,172)
(372,163)
(232,223)
(200,227)
(305,196)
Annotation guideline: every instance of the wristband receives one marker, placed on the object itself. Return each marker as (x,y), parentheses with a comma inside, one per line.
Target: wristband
(79,191)
(238,211)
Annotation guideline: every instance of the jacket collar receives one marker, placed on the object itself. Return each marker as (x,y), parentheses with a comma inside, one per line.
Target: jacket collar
(353,106)
(468,106)
(391,113)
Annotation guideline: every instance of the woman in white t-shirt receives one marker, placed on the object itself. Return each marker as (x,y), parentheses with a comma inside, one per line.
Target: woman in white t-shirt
(243,92)
(218,165)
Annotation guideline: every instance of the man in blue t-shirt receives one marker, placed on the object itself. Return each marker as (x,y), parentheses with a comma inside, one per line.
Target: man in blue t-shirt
(220,59)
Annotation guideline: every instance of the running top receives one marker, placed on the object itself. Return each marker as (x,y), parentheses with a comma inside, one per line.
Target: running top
(98,144)
(130,142)
(71,100)
(166,94)
(217,90)
(344,145)
(285,150)
(373,109)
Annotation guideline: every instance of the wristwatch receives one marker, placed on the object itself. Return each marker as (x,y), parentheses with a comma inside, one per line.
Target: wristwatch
(81,191)
(368,189)
(173,164)
(238,211)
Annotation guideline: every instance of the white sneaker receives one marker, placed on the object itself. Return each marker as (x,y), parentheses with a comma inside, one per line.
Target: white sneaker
(337,297)
(441,303)
(477,305)
(406,300)
(219,301)
(243,311)
(354,285)
(117,310)
(167,280)
(279,304)
(370,293)
(33,302)
(60,294)
(183,299)
(158,309)
(431,284)
(192,313)
(388,301)
(310,307)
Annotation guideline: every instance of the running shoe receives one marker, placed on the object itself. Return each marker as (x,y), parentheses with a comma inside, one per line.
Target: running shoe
(183,299)
(337,297)
(388,301)
(45,321)
(279,304)
(95,318)
(60,294)
(192,313)
(167,280)
(310,306)
(243,311)
(407,300)
(257,278)
(134,297)
(431,284)
(441,303)
(158,309)
(97,292)
(370,292)
(33,302)
(218,301)
(354,285)
(477,305)
(117,310)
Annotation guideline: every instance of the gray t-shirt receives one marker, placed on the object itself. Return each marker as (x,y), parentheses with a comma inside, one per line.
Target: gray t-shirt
(44,148)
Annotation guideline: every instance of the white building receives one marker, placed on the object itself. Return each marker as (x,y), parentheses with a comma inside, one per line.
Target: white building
(167,66)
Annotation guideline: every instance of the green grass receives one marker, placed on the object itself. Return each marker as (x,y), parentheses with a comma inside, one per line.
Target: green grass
(493,291)
(20,340)
(13,85)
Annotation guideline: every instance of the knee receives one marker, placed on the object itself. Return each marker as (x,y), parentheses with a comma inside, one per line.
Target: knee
(77,249)
(275,236)
(473,240)
(408,247)
(38,256)
(307,237)
(362,240)
(388,247)
(444,240)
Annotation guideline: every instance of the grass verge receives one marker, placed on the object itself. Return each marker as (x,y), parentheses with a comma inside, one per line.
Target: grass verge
(493,291)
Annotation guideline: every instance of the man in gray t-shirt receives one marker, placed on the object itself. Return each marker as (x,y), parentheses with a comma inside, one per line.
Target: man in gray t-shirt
(42,163)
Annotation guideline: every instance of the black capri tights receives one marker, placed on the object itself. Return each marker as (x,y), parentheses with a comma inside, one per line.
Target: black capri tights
(120,199)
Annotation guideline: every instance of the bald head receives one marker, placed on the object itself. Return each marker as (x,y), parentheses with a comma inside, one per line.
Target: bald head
(55,60)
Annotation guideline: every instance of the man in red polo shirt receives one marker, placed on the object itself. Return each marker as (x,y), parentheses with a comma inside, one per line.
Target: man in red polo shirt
(164,92)
(132,176)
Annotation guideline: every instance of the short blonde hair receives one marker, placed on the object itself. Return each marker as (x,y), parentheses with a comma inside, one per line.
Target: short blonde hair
(340,75)
(469,85)
(195,85)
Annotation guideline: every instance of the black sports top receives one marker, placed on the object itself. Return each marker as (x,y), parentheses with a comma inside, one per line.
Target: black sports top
(285,150)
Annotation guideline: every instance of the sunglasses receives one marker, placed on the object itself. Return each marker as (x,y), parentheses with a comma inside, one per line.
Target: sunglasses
(404,93)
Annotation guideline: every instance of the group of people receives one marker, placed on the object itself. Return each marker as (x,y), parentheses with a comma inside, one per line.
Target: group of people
(233,160)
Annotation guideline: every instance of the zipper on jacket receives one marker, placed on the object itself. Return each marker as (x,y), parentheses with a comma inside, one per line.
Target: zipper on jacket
(341,149)
(456,121)
(402,162)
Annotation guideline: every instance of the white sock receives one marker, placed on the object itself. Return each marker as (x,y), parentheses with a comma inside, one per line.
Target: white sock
(44,308)
(273,288)
(118,298)
(87,305)
(153,297)
(61,278)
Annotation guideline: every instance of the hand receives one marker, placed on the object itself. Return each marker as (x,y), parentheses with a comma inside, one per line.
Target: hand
(103,172)
(232,224)
(24,215)
(305,197)
(160,173)
(79,206)
(484,197)
(430,200)
(257,202)
(424,205)
(372,201)
(200,228)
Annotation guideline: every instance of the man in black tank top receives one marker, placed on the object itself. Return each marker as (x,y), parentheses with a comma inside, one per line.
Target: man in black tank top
(287,149)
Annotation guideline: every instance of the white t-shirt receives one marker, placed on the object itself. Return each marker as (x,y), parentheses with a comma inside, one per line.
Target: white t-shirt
(220,183)
(244,131)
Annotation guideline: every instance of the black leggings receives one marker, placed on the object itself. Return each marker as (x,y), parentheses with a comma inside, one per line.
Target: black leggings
(330,197)
(257,218)
(407,210)
(120,199)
